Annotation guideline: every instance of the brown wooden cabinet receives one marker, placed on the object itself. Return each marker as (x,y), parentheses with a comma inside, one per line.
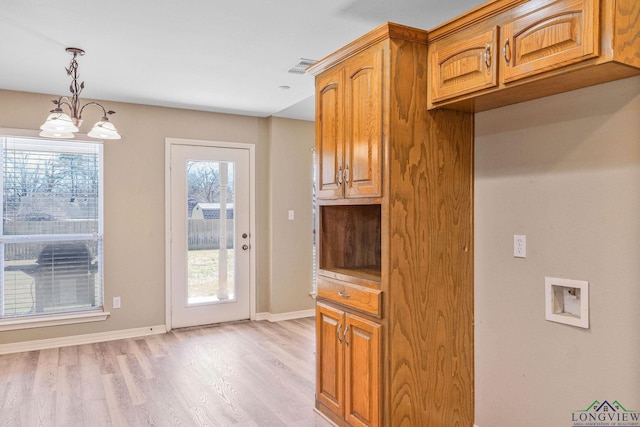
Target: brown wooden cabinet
(395,264)
(465,65)
(349,135)
(330,358)
(395,191)
(555,35)
(348,365)
(509,51)
(329,135)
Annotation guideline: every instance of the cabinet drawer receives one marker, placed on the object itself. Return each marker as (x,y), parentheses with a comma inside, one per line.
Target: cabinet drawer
(358,297)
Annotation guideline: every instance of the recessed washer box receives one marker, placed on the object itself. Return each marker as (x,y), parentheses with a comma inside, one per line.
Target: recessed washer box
(567,301)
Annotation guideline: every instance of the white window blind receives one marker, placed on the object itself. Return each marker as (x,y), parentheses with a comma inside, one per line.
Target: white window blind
(51,239)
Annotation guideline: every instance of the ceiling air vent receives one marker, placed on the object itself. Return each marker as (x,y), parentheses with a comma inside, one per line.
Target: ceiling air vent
(301,67)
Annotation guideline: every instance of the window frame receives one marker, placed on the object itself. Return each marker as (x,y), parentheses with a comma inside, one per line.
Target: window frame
(61,318)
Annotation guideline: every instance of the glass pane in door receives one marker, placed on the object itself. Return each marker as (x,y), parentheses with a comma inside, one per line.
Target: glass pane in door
(211,232)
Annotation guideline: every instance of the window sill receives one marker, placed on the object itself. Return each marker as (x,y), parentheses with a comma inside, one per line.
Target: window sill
(53,320)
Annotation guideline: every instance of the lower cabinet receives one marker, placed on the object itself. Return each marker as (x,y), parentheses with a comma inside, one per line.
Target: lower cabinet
(348,366)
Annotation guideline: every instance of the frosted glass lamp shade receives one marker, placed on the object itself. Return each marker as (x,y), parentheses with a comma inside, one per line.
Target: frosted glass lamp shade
(104,129)
(61,135)
(59,122)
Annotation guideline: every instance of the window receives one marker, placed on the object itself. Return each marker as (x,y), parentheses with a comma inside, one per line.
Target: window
(52,230)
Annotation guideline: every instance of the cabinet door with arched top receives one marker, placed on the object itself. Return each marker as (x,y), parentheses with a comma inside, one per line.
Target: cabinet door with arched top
(363,124)
(563,33)
(329,135)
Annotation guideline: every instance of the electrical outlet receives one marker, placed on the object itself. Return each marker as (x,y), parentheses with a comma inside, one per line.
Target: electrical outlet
(116,302)
(519,246)
(292,215)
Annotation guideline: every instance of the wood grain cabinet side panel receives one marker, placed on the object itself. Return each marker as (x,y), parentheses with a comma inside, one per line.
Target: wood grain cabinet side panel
(430,324)
(563,33)
(626,32)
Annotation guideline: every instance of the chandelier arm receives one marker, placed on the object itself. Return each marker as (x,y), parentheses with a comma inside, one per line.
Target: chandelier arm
(63,100)
(104,111)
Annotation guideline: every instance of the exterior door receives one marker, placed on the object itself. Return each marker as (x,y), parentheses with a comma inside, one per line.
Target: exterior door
(210,239)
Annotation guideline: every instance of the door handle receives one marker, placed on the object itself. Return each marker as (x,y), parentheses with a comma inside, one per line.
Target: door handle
(487,57)
(245,235)
(506,52)
(245,247)
(343,294)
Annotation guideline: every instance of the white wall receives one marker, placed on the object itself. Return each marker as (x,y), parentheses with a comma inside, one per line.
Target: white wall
(291,179)
(564,171)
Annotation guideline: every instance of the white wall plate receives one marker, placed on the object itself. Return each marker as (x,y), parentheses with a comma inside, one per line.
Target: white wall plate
(567,301)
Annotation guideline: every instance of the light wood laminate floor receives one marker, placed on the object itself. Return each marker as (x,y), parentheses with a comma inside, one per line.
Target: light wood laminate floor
(241,374)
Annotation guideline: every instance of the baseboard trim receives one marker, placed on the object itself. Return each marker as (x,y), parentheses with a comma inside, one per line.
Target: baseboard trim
(81,339)
(47,343)
(277,317)
(325,417)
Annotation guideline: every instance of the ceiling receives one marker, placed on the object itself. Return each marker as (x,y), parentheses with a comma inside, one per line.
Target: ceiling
(209,55)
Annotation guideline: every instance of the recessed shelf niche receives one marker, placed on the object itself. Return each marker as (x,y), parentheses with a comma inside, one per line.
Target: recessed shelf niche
(350,240)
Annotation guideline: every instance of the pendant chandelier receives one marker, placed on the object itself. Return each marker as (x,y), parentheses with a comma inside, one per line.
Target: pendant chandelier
(62,125)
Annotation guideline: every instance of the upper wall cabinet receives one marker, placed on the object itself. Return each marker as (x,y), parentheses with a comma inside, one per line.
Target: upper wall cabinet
(553,36)
(509,51)
(466,65)
(329,133)
(349,128)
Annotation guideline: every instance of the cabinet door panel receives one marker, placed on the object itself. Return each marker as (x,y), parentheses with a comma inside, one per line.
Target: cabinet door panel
(363,139)
(560,34)
(329,358)
(362,370)
(329,135)
(465,65)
